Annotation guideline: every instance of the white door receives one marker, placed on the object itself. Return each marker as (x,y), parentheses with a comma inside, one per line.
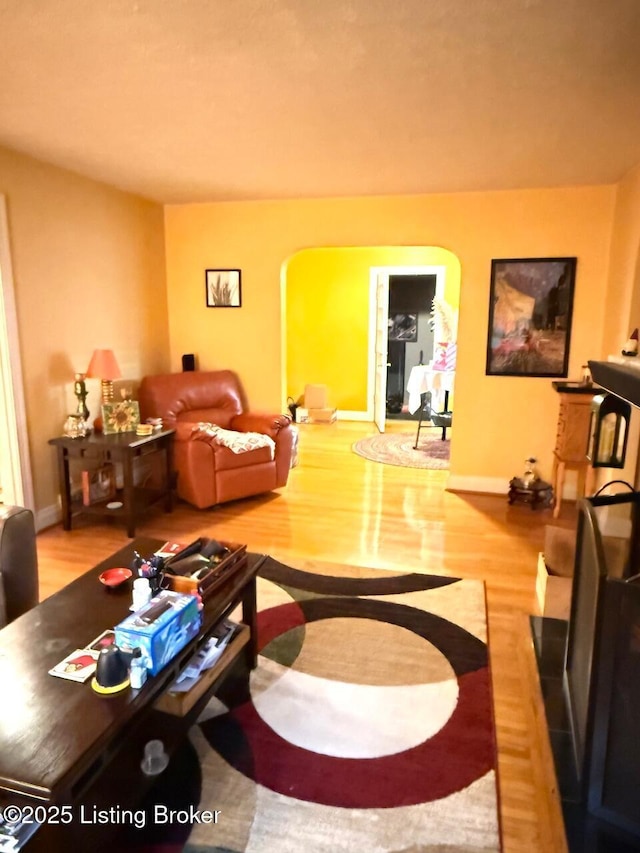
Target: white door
(381,351)
(15,471)
(379,333)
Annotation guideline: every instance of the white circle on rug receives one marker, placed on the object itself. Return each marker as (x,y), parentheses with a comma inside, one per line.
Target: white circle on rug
(348,719)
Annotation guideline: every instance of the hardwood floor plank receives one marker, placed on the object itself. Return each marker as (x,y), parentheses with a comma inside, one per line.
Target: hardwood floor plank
(341,508)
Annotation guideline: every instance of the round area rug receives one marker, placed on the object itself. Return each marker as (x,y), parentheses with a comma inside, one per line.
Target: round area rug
(397,449)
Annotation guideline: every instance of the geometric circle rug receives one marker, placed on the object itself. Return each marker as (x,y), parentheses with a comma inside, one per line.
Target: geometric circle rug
(397,449)
(366,726)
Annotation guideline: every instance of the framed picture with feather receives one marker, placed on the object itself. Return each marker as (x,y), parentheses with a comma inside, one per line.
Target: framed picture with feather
(223,288)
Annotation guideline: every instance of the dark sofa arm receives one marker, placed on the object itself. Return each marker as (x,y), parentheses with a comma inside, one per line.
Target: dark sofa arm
(18,561)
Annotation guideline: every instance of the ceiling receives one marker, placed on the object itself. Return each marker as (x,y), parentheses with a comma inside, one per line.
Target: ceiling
(203,100)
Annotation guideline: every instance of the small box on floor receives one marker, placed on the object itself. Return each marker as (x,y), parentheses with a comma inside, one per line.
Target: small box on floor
(553,592)
(160,629)
(322,416)
(316,397)
(559,550)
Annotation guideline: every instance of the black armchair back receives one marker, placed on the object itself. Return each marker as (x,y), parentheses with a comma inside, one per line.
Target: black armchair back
(18,563)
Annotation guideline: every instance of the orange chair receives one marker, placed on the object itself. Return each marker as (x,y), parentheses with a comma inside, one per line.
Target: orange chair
(207,472)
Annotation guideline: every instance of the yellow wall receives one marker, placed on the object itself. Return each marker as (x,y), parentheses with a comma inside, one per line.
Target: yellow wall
(499,421)
(327,315)
(88,266)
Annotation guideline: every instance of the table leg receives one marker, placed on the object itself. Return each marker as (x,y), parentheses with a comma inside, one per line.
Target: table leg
(581,484)
(65,487)
(560,487)
(168,457)
(249,617)
(415,446)
(128,495)
(446,408)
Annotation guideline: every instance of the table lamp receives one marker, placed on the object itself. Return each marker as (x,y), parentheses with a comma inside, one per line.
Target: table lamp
(103,366)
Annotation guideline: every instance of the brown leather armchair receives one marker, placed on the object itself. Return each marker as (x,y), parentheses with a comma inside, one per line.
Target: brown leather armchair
(209,473)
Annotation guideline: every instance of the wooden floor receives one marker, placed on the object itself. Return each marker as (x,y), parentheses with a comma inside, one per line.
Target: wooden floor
(342,508)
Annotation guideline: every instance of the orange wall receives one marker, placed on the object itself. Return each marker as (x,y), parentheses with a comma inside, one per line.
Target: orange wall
(622,306)
(622,312)
(499,421)
(88,269)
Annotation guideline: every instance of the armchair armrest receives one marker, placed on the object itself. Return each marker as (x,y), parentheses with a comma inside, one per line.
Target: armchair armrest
(269,425)
(184,430)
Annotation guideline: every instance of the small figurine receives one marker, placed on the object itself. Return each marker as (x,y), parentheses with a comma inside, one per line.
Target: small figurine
(631,346)
(137,563)
(529,475)
(152,569)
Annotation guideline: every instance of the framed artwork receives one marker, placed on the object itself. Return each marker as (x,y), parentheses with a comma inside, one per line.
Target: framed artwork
(120,417)
(223,288)
(403,327)
(530,310)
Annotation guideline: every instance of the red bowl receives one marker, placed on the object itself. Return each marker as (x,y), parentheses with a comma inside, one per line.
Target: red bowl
(114,577)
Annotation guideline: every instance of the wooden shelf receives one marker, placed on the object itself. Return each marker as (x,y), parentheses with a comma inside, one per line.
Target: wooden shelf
(179,704)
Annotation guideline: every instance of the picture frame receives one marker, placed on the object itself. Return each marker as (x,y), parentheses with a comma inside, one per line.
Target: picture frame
(530,314)
(223,288)
(403,328)
(120,417)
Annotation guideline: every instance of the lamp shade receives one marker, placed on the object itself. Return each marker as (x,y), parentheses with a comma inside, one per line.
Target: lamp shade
(103,365)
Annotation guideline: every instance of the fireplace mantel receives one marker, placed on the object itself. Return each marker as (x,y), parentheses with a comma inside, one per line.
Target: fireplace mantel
(623,380)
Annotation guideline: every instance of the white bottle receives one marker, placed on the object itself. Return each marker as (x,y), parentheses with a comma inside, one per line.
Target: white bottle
(141,593)
(137,673)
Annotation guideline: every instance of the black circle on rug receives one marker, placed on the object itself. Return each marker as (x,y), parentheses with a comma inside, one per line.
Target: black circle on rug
(461,752)
(285,576)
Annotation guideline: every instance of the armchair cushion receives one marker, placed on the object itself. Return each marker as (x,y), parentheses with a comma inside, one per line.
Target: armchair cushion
(237,442)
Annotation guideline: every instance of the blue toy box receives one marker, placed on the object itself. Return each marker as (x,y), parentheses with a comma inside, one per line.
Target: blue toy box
(161,628)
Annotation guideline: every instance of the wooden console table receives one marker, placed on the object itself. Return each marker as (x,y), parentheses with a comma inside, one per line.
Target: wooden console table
(61,743)
(570,452)
(124,448)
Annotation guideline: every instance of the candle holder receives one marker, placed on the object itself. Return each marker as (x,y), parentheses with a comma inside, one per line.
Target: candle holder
(80,390)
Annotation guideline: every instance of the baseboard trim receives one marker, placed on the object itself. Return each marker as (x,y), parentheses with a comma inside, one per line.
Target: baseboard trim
(495,486)
(484,485)
(47,517)
(346,415)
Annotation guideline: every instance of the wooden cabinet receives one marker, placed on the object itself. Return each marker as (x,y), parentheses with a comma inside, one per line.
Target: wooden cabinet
(573,427)
(572,438)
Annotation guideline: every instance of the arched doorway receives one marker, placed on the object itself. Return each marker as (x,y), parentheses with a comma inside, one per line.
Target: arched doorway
(330,318)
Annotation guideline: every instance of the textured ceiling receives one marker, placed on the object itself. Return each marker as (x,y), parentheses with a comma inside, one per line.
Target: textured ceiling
(198,100)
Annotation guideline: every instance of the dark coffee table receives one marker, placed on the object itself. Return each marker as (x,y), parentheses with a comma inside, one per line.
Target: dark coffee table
(61,743)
